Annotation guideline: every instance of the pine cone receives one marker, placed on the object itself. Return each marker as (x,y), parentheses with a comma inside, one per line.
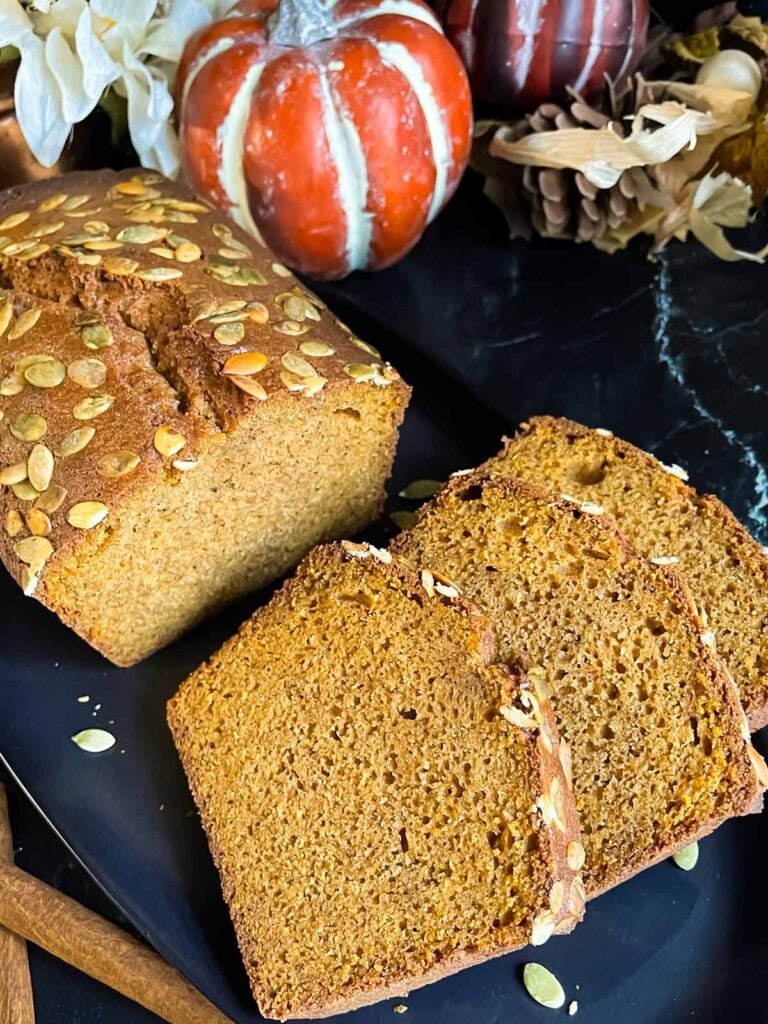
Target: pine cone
(562,203)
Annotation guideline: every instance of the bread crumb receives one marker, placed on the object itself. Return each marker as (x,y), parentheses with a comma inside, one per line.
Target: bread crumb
(399,1008)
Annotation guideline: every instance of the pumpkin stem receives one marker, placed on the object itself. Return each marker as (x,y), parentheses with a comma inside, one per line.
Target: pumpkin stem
(301,22)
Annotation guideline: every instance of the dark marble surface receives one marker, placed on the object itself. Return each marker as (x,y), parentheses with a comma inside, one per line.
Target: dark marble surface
(672,355)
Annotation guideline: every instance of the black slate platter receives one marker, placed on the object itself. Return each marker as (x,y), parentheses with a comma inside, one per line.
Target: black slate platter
(673,357)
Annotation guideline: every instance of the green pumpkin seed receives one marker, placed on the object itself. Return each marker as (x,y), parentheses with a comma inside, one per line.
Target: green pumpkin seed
(542,986)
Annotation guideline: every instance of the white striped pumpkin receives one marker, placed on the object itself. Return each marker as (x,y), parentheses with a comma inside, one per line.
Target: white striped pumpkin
(520,53)
(335,130)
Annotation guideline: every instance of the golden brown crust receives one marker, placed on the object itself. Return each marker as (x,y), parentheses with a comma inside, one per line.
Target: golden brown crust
(559,910)
(681,500)
(747,797)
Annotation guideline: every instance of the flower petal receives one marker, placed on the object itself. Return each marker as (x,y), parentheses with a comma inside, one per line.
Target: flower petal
(39,104)
(68,72)
(99,70)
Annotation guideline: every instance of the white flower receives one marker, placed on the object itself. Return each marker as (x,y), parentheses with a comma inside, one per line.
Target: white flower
(72,51)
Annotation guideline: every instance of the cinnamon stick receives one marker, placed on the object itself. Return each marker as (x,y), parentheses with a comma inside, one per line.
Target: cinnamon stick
(48,918)
(16,1004)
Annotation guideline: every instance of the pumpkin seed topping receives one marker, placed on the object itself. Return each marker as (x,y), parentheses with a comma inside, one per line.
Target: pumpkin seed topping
(48,228)
(575,855)
(258,312)
(277,268)
(24,323)
(167,441)
(102,245)
(90,259)
(51,500)
(359,343)
(6,314)
(14,524)
(75,441)
(120,266)
(118,463)
(38,522)
(163,251)
(141,234)
(37,250)
(12,384)
(160,274)
(360,371)
(33,549)
(87,373)
(687,857)
(87,514)
(250,387)
(40,467)
(28,426)
(52,202)
(13,474)
(316,349)
(74,202)
(47,373)
(187,252)
(184,465)
(245,364)
(96,335)
(93,406)
(543,987)
(291,327)
(404,519)
(14,220)
(229,334)
(294,363)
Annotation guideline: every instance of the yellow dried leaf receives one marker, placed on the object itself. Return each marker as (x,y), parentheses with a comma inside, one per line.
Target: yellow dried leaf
(746,157)
(753,30)
(698,47)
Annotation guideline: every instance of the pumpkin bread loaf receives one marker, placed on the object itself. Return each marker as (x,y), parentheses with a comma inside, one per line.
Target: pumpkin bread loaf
(385,803)
(180,421)
(666,520)
(660,745)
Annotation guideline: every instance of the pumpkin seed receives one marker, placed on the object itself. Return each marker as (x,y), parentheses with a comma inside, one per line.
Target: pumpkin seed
(360,372)
(28,426)
(94,741)
(11,385)
(417,490)
(93,406)
(575,855)
(292,327)
(87,514)
(160,274)
(314,384)
(184,465)
(15,248)
(161,250)
(13,474)
(245,364)
(233,254)
(90,259)
(6,313)
(97,228)
(52,202)
(258,312)
(316,349)
(37,250)
(47,374)
(49,228)
(294,363)
(38,522)
(25,322)
(74,202)
(687,857)
(87,373)
(118,463)
(102,245)
(404,518)
(120,266)
(33,549)
(14,220)
(542,986)
(96,336)
(141,234)
(292,380)
(229,334)
(40,467)
(359,343)
(167,441)
(14,524)
(277,268)
(51,500)
(75,441)
(250,387)
(187,252)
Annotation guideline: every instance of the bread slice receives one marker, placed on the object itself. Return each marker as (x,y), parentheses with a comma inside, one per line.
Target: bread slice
(386,804)
(727,571)
(660,745)
(230,421)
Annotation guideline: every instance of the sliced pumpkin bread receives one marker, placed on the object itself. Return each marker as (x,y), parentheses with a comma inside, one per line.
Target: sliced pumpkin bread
(660,745)
(385,802)
(664,518)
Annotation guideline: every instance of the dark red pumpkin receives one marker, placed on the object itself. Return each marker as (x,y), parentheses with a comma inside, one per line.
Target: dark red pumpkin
(336,130)
(520,53)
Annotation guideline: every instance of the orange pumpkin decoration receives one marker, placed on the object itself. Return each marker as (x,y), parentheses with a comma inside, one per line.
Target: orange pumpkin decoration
(336,131)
